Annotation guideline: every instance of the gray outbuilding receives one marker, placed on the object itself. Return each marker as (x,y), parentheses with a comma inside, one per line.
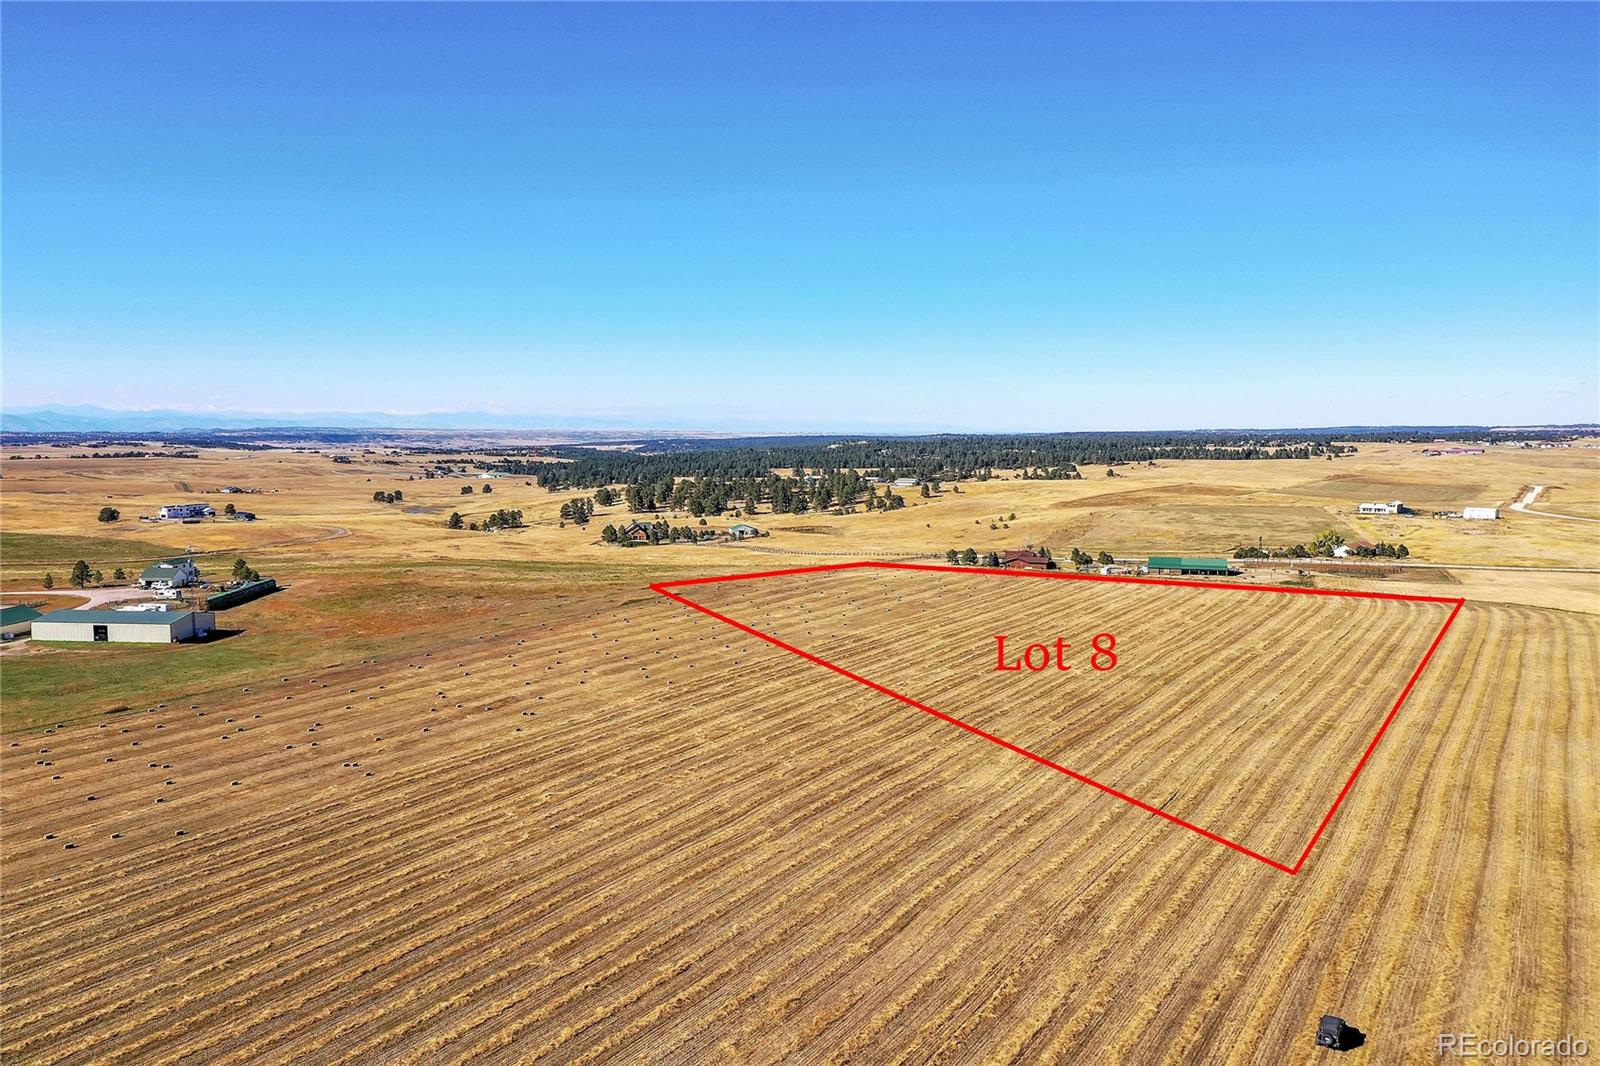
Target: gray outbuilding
(124,627)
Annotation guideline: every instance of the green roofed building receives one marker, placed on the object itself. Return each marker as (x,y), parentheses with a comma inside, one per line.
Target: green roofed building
(118,627)
(16,621)
(1175,564)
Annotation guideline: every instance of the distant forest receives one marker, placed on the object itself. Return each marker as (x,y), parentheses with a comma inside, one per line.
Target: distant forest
(942,458)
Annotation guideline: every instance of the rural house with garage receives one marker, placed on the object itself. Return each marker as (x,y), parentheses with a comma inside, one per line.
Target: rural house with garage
(1025,560)
(186,510)
(170,574)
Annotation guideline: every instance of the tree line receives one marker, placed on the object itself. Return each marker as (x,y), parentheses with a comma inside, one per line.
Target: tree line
(1079,557)
(1323,547)
(948,457)
(781,494)
(501,519)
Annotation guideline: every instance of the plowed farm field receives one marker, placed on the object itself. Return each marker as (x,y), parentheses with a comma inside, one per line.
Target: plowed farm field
(635,833)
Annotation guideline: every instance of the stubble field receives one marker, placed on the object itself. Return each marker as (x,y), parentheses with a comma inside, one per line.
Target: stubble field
(635,833)
(455,797)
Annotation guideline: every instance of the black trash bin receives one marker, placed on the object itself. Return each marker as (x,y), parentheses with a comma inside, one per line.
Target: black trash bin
(1335,1034)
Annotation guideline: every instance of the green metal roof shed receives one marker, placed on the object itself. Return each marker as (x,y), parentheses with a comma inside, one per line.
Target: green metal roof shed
(14,616)
(1186,565)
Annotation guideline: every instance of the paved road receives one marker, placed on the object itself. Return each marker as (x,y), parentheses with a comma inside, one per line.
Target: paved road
(1525,505)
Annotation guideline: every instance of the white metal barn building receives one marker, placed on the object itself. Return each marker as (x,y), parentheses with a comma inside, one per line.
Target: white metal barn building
(124,627)
(1481,513)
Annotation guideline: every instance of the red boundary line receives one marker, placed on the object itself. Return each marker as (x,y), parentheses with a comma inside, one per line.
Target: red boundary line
(664,587)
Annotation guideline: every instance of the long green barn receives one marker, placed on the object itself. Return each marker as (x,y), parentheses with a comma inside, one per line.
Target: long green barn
(1175,564)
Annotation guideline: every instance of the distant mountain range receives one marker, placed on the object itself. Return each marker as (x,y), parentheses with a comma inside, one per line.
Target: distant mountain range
(84,418)
(62,418)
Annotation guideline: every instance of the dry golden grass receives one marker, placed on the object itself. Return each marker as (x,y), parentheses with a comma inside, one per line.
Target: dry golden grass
(1216,694)
(599,826)
(638,834)
(314,510)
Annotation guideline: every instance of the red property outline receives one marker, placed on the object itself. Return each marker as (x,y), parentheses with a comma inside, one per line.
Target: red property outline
(665,587)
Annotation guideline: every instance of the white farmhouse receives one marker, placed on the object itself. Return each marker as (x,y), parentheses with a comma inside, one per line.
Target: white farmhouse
(1392,507)
(187,510)
(170,574)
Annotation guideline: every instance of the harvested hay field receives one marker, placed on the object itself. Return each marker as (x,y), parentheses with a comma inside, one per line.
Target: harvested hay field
(1196,712)
(634,833)
(637,834)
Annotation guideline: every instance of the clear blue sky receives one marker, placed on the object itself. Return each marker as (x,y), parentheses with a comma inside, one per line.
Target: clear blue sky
(993,217)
